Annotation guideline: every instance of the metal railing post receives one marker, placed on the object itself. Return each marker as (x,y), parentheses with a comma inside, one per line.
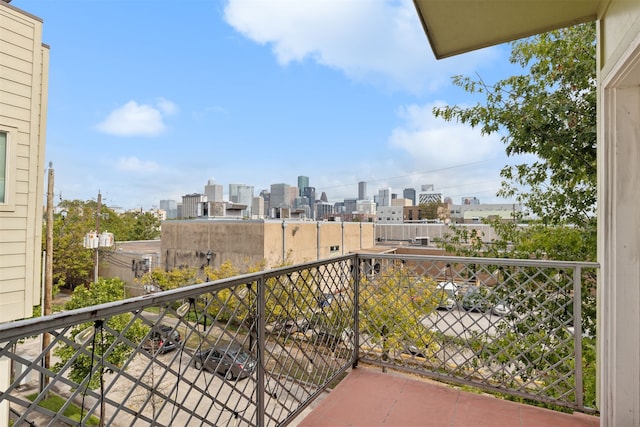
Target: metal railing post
(577,335)
(260,375)
(356,309)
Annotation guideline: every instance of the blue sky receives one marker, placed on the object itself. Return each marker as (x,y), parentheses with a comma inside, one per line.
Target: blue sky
(150,99)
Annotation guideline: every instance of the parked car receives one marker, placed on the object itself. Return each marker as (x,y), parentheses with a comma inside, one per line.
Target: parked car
(332,337)
(476,298)
(446,293)
(500,309)
(230,360)
(162,338)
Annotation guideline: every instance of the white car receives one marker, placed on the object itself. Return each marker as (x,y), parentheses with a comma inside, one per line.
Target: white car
(500,309)
(447,292)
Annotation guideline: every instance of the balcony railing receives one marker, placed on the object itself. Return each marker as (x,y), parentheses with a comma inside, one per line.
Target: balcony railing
(276,340)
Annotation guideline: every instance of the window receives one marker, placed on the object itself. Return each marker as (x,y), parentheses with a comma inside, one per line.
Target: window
(8,138)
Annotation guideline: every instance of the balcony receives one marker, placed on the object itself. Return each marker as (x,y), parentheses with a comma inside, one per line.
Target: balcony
(280,339)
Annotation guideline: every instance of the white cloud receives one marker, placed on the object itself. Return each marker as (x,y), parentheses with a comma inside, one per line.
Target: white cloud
(133,164)
(133,119)
(374,41)
(167,107)
(455,157)
(433,141)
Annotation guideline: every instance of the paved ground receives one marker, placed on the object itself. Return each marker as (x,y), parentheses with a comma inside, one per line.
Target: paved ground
(369,398)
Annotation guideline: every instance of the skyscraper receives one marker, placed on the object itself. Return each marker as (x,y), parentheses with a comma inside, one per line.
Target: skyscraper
(362,190)
(303,182)
(213,191)
(242,194)
(280,196)
(384,197)
(170,207)
(310,194)
(410,193)
(429,195)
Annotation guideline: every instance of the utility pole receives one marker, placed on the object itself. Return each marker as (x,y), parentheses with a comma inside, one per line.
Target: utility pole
(48,276)
(95,265)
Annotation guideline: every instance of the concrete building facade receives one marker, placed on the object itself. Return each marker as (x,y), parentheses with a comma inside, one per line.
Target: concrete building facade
(474,213)
(249,243)
(192,205)
(389,214)
(213,191)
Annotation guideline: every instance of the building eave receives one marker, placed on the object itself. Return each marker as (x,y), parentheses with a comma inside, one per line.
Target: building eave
(458,26)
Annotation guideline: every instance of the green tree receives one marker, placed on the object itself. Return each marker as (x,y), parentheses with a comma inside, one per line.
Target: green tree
(73,264)
(172,279)
(550,112)
(392,305)
(430,210)
(139,226)
(105,290)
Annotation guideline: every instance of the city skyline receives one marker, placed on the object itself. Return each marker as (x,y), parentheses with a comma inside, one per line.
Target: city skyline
(425,188)
(257,92)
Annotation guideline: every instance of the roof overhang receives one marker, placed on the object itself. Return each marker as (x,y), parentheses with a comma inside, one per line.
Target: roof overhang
(458,26)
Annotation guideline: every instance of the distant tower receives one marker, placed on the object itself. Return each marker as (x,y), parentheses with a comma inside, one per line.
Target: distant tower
(213,191)
(280,197)
(429,195)
(303,182)
(410,193)
(362,190)
(310,194)
(170,207)
(242,194)
(384,197)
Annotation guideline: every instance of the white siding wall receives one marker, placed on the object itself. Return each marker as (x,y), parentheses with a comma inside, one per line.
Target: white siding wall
(24,63)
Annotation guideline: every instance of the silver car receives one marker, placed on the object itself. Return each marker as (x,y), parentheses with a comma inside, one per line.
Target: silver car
(231,360)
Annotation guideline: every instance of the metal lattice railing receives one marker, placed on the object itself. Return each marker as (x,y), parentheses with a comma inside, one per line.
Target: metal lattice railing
(256,349)
(511,326)
(275,342)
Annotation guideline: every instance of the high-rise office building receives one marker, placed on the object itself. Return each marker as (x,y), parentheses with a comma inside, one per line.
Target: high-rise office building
(303,182)
(323,210)
(384,197)
(410,193)
(310,194)
(350,205)
(362,190)
(257,208)
(242,194)
(280,196)
(266,196)
(192,205)
(213,191)
(429,195)
(170,207)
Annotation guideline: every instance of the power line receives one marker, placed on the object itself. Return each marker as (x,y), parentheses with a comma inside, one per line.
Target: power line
(411,174)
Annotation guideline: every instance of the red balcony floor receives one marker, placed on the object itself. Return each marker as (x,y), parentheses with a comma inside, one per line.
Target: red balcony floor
(367,397)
